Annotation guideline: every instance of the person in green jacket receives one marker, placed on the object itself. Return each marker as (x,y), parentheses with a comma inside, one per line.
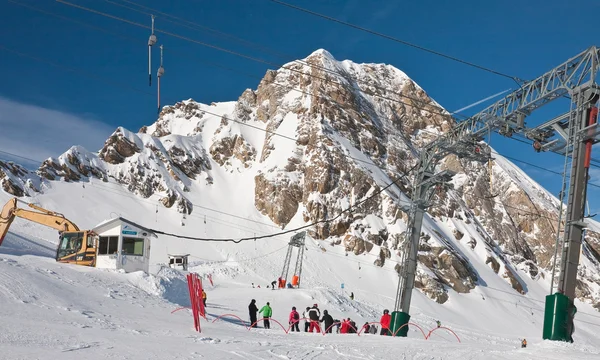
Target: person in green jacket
(266,311)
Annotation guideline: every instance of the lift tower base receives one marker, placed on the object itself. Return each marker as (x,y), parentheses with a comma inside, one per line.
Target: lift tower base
(558,318)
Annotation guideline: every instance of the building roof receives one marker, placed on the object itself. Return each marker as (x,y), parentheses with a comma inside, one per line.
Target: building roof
(123,220)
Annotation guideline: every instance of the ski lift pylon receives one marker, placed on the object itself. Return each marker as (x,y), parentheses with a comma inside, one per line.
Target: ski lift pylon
(151,41)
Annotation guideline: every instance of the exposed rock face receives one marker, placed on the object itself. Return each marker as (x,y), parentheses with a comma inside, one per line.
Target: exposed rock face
(278,199)
(117,148)
(319,136)
(223,150)
(17,180)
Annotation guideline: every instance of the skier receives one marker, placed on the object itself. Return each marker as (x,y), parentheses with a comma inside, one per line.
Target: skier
(337,325)
(267,312)
(345,326)
(305,316)
(352,329)
(294,319)
(273,284)
(314,314)
(252,309)
(438,323)
(524,343)
(373,330)
(351,296)
(328,322)
(366,328)
(204,297)
(385,321)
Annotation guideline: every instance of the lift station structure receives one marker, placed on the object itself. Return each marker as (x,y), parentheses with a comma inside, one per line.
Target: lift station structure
(297,241)
(570,134)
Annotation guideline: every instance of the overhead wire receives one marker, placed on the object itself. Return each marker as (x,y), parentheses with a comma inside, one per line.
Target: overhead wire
(238,240)
(442,111)
(299,90)
(264,48)
(419,47)
(506,205)
(78,71)
(227,35)
(131,195)
(273,82)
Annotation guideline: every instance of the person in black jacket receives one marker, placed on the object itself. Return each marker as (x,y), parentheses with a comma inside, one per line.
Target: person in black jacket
(328,321)
(253,309)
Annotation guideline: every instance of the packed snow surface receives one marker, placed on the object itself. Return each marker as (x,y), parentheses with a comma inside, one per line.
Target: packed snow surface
(51,310)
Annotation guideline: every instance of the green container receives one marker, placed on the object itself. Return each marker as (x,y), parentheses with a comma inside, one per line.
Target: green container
(399,319)
(558,318)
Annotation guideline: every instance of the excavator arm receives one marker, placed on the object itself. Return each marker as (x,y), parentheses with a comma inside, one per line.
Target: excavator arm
(42,216)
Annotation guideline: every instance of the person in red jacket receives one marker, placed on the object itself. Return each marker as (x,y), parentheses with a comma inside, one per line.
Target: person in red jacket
(294,319)
(345,326)
(385,321)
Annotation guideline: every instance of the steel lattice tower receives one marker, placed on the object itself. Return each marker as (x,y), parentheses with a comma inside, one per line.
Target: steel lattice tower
(296,241)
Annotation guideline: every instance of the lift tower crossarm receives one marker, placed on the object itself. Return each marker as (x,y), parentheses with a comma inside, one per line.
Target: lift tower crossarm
(576,72)
(463,140)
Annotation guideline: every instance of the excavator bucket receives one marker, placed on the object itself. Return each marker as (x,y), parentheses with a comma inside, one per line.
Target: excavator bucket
(6,217)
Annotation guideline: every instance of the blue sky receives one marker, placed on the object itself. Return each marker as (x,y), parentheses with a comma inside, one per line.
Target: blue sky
(62,108)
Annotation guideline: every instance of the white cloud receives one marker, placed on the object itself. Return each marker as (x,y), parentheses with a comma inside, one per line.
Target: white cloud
(38,133)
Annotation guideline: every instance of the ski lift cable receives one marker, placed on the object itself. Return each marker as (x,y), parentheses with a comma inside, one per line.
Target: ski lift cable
(376,193)
(441,111)
(128,194)
(419,47)
(84,73)
(211,64)
(262,129)
(195,26)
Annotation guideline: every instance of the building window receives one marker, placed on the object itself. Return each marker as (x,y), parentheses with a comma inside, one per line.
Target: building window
(108,245)
(133,246)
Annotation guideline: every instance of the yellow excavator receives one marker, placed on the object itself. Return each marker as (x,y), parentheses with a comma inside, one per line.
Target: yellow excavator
(75,246)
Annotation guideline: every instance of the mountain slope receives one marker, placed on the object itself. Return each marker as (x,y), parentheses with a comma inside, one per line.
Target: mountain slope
(314,138)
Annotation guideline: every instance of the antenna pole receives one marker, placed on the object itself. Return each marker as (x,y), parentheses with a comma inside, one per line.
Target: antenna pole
(151,41)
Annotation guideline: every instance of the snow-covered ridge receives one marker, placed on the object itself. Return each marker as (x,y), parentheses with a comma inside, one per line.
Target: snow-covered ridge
(286,154)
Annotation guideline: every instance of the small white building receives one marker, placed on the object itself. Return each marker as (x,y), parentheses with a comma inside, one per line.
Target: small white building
(178,261)
(123,244)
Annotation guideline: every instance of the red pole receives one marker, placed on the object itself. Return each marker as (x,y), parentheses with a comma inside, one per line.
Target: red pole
(192,285)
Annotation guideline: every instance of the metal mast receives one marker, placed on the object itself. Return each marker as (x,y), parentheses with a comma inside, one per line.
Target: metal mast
(159,74)
(575,78)
(151,41)
(298,241)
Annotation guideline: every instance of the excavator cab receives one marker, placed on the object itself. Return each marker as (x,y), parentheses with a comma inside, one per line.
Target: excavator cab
(76,248)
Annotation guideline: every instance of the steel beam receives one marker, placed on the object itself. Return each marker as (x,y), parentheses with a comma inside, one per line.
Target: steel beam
(571,78)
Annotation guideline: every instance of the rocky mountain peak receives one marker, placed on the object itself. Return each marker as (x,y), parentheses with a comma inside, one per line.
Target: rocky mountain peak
(318,136)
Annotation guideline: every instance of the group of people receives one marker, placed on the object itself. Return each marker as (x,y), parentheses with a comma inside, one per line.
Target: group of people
(313,320)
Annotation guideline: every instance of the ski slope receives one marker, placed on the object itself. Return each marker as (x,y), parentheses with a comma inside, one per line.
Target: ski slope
(50,310)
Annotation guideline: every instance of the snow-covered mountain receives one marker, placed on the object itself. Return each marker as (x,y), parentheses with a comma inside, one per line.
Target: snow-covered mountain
(315,137)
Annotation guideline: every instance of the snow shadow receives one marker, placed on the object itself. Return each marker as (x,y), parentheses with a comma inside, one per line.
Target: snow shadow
(18,245)
(215,306)
(230,320)
(175,290)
